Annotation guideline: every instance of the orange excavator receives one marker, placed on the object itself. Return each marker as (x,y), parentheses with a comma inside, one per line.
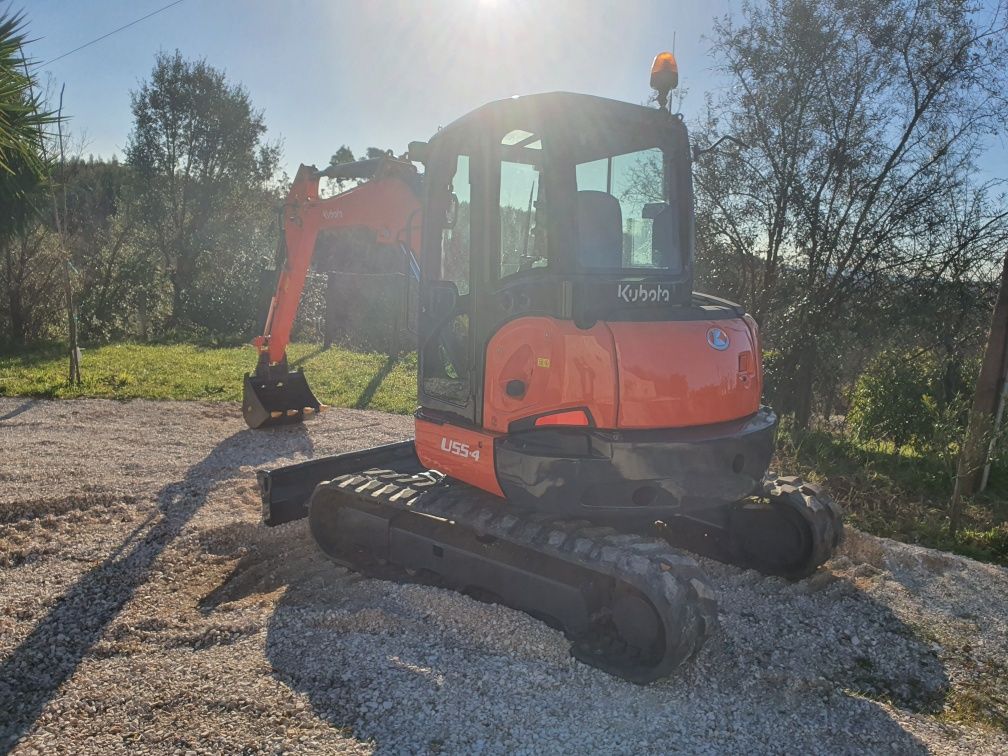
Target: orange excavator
(584,414)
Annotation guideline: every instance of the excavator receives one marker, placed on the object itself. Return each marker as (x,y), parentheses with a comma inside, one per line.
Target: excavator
(585,418)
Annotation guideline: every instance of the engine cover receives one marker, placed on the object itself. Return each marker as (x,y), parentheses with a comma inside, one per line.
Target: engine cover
(635,375)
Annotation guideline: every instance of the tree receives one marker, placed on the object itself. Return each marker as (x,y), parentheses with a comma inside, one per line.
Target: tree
(23,170)
(203,169)
(30,277)
(21,112)
(862,122)
(345,155)
(116,277)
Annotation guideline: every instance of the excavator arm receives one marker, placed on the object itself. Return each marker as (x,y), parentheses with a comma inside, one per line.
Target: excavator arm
(387,203)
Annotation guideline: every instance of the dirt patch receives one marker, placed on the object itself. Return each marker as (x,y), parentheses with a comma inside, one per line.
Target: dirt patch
(144,608)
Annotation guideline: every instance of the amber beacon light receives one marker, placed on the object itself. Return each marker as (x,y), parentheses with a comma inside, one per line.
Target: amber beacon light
(664,76)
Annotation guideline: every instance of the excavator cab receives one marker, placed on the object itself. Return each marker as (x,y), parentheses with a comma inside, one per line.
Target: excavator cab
(565,361)
(569,207)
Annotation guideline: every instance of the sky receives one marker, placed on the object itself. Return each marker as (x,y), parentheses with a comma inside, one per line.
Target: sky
(375,73)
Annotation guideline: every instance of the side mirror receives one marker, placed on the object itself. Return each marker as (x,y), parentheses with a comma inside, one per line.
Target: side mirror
(653,209)
(441,299)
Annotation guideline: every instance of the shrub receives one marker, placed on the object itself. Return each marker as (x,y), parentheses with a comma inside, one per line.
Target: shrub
(888,400)
(912,397)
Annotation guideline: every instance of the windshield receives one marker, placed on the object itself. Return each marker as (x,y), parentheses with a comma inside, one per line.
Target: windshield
(623,215)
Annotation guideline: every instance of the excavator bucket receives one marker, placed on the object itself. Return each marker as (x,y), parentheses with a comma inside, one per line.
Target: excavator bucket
(277,399)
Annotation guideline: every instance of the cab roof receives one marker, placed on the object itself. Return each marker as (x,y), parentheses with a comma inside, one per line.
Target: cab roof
(542,110)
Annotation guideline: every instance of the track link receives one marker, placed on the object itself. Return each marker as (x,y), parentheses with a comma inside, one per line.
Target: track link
(647,607)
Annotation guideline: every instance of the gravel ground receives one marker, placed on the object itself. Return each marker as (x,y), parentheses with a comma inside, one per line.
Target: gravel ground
(143,608)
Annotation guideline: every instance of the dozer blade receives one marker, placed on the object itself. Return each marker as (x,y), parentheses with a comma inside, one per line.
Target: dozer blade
(285,491)
(277,400)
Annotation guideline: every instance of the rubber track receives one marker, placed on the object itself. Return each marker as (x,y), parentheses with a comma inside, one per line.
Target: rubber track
(823,516)
(678,590)
(788,499)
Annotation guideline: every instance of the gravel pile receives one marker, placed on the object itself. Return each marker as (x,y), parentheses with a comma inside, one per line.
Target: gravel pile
(143,608)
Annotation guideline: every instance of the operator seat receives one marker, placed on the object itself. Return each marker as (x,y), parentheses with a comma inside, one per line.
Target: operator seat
(599,229)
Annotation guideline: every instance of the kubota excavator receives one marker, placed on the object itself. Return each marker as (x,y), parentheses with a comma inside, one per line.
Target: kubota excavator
(583,412)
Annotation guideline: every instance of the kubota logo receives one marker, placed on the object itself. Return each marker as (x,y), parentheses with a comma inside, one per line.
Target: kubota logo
(718,339)
(332,214)
(644,293)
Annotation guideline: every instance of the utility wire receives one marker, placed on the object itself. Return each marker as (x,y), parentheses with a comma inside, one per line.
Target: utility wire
(114,31)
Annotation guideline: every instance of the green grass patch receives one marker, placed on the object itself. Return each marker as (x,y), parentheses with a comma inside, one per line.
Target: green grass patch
(182,371)
(901,493)
(976,706)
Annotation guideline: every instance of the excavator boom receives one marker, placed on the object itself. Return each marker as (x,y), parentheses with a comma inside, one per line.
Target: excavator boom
(386,203)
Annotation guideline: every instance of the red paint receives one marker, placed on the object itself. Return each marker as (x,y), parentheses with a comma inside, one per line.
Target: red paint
(627,374)
(562,366)
(574,417)
(671,377)
(461,453)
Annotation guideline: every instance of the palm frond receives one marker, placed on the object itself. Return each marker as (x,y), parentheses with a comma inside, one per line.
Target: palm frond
(22,112)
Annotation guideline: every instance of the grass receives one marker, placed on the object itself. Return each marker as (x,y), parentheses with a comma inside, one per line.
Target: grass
(181,371)
(898,493)
(975,707)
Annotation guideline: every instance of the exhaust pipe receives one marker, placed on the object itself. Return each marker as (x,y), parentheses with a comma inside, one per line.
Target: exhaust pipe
(277,395)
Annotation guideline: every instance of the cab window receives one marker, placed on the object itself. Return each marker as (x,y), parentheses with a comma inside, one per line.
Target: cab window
(624,218)
(456,234)
(522,237)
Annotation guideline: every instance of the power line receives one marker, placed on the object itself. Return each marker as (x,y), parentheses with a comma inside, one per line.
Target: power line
(114,31)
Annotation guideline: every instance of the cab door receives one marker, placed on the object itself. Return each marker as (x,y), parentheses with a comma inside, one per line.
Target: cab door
(448,374)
